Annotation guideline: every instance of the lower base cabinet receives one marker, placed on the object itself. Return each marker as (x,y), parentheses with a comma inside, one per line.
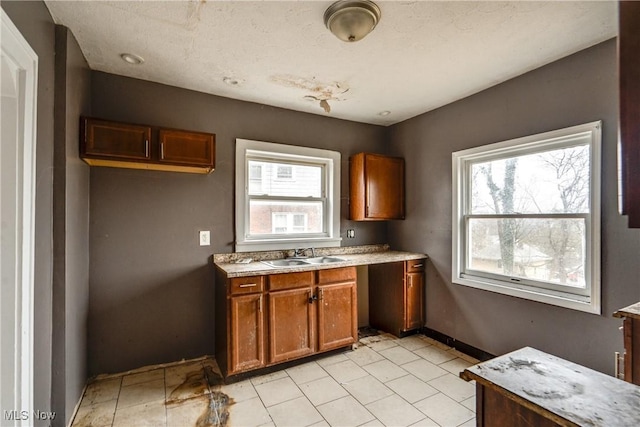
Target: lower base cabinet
(265,320)
(247,332)
(337,316)
(396,296)
(631,334)
(291,325)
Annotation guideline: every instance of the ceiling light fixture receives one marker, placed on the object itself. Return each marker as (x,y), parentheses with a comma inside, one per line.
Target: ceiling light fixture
(384,113)
(132,59)
(352,20)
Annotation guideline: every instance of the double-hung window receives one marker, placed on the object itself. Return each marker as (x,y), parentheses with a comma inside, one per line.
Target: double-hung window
(526,217)
(286,196)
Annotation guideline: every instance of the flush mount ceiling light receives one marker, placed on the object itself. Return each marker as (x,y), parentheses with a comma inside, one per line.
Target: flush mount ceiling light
(130,58)
(352,20)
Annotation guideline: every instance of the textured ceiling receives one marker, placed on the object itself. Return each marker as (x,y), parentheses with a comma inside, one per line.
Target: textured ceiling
(422,54)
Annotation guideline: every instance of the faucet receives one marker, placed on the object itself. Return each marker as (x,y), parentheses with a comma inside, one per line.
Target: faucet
(301,253)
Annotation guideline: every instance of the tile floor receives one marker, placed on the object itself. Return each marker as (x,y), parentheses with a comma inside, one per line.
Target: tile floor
(386,381)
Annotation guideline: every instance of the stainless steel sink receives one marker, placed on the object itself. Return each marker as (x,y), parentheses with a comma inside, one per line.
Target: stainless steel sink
(324,260)
(290,262)
(285,262)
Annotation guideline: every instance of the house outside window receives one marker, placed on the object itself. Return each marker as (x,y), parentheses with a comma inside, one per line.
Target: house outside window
(285,172)
(288,222)
(286,196)
(526,217)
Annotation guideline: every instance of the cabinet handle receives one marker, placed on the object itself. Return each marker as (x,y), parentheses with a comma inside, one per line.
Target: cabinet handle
(260,304)
(312,298)
(417,265)
(248,285)
(146,148)
(162,150)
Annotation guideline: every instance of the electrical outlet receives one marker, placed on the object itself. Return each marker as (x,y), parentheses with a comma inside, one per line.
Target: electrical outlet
(205,238)
(351,233)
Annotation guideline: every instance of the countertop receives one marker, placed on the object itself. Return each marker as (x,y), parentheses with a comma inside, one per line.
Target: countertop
(632,311)
(560,390)
(352,255)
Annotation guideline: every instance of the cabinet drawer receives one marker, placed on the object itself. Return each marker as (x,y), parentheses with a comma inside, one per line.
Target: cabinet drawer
(416,265)
(333,275)
(246,285)
(290,280)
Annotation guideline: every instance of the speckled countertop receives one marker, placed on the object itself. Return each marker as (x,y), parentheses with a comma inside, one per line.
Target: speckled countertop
(563,391)
(632,311)
(352,255)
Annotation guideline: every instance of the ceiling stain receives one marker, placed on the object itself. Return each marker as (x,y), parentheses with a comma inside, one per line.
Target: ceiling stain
(193,13)
(314,90)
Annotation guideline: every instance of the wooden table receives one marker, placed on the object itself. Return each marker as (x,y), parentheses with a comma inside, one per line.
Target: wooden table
(530,388)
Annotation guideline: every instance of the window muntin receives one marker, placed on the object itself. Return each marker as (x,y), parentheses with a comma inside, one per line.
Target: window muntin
(526,217)
(286,196)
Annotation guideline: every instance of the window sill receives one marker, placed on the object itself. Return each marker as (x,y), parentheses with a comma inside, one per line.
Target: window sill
(277,244)
(565,300)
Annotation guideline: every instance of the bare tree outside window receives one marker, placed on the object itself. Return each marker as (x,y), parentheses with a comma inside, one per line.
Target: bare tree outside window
(514,191)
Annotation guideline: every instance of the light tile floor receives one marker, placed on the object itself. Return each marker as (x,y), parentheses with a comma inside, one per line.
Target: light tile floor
(386,381)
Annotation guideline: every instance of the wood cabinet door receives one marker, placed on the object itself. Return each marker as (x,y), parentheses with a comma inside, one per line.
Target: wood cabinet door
(190,148)
(629,75)
(247,333)
(291,324)
(337,315)
(414,296)
(115,140)
(384,187)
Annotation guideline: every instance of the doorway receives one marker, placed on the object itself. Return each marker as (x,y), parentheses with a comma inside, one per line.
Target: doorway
(18,90)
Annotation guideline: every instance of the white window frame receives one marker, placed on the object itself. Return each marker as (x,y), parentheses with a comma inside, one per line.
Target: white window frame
(461,166)
(330,160)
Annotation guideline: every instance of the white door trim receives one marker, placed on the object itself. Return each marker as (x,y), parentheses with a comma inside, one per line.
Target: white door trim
(24,61)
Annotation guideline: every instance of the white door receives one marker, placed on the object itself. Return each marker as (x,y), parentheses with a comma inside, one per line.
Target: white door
(18,90)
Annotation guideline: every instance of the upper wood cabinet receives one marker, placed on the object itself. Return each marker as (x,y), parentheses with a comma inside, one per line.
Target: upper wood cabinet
(188,148)
(629,74)
(376,187)
(123,145)
(115,140)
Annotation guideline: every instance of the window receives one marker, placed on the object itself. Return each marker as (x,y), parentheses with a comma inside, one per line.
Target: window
(286,196)
(288,222)
(526,217)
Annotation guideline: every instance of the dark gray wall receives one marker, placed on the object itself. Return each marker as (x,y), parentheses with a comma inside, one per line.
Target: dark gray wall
(578,89)
(151,287)
(70,228)
(35,24)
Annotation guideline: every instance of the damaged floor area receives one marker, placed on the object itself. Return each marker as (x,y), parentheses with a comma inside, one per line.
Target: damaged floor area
(385,381)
